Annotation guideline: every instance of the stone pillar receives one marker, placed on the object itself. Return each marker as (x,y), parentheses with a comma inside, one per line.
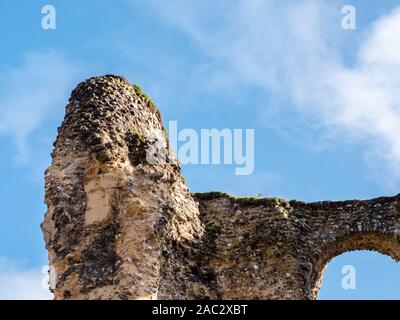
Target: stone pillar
(117,203)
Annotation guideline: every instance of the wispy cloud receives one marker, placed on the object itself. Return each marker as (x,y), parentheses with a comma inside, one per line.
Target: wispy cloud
(33,92)
(292,51)
(20,283)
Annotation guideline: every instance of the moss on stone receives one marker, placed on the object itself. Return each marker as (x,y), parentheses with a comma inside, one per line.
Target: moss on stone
(277,200)
(146,99)
(165,132)
(137,146)
(240,198)
(317,204)
(209,195)
(213,230)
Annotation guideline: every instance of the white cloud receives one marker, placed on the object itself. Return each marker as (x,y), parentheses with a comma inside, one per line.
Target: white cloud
(22,284)
(33,92)
(291,50)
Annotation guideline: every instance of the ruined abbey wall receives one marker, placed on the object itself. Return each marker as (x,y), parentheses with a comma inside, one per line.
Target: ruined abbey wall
(119,226)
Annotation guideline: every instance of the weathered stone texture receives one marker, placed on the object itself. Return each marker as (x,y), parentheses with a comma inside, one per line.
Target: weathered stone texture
(274,249)
(119,226)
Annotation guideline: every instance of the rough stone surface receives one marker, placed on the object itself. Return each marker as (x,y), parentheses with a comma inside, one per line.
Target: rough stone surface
(121,227)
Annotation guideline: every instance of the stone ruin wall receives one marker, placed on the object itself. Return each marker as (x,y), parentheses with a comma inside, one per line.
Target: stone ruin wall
(118,227)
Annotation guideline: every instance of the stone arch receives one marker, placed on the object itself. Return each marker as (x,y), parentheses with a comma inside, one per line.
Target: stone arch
(325,229)
(370,241)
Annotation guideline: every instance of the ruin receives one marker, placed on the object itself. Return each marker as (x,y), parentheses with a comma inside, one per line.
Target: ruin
(118,227)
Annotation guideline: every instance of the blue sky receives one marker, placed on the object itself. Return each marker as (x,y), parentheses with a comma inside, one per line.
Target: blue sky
(323,102)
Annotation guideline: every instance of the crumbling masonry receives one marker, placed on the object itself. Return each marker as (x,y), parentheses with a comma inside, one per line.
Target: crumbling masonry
(119,227)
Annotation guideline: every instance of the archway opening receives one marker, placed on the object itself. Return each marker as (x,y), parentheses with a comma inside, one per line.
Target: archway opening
(361,274)
(383,243)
